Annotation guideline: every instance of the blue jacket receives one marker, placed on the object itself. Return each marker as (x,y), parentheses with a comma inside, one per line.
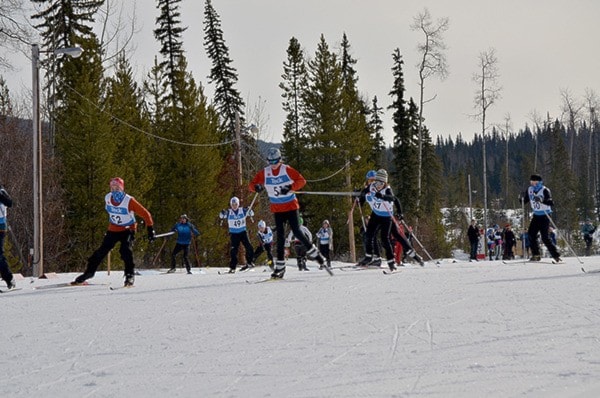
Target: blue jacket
(184,232)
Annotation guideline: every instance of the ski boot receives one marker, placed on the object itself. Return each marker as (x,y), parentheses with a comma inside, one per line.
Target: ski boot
(365,261)
(247,267)
(12,284)
(129,279)
(80,280)
(534,258)
(279,270)
(391,265)
(231,271)
(172,270)
(375,262)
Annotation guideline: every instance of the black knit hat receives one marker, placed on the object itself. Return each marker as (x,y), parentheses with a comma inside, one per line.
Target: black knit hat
(535,177)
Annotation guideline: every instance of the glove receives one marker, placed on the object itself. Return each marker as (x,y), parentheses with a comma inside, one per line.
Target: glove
(223,214)
(259,188)
(250,213)
(399,216)
(151,234)
(285,189)
(379,195)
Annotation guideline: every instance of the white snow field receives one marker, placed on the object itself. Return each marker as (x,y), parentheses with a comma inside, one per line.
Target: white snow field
(484,329)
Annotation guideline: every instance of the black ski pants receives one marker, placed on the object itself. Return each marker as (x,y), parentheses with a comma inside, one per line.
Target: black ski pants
(236,239)
(126,239)
(541,224)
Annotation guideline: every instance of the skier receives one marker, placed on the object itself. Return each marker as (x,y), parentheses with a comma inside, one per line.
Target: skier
(265,237)
(588,230)
(184,230)
(5,202)
(236,219)
(473,235)
(510,241)
(325,236)
(121,209)
(299,247)
(540,198)
(381,199)
(280,181)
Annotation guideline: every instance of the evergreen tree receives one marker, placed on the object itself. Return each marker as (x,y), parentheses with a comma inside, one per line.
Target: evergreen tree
(294,84)
(333,113)
(227,99)
(375,126)
(405,148)
(168,33)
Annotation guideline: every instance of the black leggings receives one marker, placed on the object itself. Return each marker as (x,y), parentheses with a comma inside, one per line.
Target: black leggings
(292,218)
(383,224)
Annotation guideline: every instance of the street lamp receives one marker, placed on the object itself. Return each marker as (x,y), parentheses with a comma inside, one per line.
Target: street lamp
(37,254)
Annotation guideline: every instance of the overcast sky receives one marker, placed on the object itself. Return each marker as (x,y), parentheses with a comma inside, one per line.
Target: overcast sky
(542,47)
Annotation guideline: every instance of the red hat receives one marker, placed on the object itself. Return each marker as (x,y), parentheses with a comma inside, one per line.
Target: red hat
(119,181)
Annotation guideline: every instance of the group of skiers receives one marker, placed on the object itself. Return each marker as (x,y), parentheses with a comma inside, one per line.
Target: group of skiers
(280,182)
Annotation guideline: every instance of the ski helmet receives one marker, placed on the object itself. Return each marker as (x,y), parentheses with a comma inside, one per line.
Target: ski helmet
(381,175)
(371,174)
(184,216)
(234,201)
(274,155)
(262,224)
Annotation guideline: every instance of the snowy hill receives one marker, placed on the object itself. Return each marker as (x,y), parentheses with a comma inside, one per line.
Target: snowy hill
(445,330)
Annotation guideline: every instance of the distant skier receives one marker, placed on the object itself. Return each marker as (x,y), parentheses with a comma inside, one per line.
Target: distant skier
(5,201)
(299,247)
(185,229)
(588,230)
(473,235)
(280,181)
(381,199)
(236,221)
(325,237)
(540,198)
(265,236)
(121,209)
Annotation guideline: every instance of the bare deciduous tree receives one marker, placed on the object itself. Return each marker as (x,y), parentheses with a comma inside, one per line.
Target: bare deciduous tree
(486,95)
(432,63)
(571,110)
(14,30)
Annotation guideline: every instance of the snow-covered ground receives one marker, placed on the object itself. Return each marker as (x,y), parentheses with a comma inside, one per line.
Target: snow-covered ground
(483,329)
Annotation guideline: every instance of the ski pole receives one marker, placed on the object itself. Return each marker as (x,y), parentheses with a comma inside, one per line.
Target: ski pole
(166,234)
(362,218)
(415,238)
(564,237)
(328,193)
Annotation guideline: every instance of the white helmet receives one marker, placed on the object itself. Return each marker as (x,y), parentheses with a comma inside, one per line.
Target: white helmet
(274,155)
(234,201)
(262,224)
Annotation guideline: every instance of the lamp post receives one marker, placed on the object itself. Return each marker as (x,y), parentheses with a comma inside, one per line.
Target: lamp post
(37,253)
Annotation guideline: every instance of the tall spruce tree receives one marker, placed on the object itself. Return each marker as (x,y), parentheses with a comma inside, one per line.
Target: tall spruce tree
(168,33)
(227,99)
(375,126)
(294,84)
(338,138)
(406,145)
